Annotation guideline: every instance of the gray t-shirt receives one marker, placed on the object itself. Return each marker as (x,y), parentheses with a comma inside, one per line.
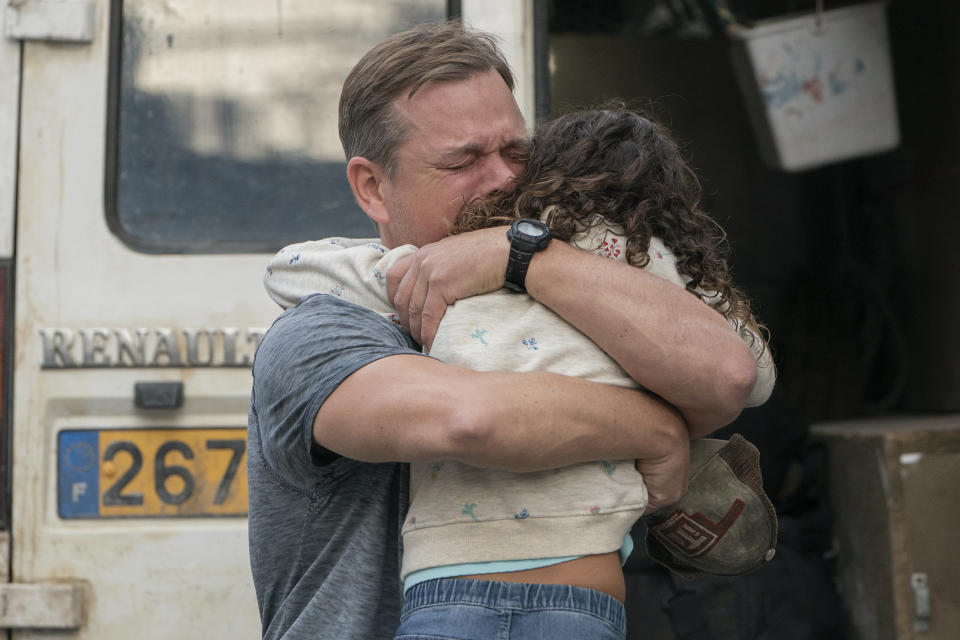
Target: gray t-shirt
(324,529)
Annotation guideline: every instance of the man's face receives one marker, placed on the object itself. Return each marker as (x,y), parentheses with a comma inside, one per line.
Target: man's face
(466,139)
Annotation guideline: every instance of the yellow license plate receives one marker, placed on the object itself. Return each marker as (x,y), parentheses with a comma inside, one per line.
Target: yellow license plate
(136,473)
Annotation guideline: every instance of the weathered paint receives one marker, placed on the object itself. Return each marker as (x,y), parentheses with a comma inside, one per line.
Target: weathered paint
(160,577)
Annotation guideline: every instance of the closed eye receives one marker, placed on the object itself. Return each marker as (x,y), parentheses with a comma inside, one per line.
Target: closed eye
(458,167)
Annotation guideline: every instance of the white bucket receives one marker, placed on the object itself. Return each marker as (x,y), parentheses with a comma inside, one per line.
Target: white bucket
(819,94)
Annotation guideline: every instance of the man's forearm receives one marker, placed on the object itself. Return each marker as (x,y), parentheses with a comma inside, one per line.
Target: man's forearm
(556,427)
(543,421)
(416,409)
(665,338)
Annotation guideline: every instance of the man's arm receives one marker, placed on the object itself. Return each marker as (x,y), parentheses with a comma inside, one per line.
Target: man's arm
(665,338)
(412,408)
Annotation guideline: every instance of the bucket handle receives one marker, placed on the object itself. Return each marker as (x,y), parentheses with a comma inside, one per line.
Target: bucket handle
(730,22)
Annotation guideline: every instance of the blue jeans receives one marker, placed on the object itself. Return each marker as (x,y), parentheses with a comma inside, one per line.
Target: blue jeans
(454,609)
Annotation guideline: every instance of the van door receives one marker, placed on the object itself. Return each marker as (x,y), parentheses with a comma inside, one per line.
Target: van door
(161,162)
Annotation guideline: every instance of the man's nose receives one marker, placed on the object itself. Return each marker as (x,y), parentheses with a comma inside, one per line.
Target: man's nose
(501,174)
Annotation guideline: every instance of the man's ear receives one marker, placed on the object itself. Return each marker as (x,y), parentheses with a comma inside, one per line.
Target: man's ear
(367,179)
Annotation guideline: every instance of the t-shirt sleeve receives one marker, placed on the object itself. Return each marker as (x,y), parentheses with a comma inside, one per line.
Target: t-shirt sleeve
(302,359)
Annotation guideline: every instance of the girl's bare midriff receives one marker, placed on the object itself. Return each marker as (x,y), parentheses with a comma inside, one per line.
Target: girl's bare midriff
(600,572)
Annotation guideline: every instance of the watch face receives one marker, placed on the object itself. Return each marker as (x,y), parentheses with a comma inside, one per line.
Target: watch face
(530,229)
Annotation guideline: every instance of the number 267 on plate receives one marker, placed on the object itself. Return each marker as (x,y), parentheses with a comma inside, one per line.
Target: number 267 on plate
(142,473)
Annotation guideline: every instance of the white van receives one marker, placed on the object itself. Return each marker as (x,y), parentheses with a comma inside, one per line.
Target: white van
(153,156)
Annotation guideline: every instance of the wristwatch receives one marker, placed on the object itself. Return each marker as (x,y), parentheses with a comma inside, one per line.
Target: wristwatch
(527,236)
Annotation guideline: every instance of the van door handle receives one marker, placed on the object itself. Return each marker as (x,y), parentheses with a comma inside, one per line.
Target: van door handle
(42,605)
(158,395)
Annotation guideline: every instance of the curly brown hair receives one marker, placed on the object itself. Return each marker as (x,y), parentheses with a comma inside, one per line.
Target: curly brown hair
(614,166)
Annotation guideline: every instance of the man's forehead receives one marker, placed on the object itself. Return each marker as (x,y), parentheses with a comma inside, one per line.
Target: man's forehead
(457,115)
(451,138)
(476,145)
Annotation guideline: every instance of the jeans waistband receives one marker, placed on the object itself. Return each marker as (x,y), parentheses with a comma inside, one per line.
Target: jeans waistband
(516,596)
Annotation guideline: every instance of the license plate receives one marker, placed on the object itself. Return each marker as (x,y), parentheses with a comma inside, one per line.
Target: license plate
(142,473)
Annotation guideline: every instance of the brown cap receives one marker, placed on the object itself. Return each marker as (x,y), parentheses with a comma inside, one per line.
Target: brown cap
(725,525)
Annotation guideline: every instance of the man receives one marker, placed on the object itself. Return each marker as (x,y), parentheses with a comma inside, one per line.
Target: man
(340,395)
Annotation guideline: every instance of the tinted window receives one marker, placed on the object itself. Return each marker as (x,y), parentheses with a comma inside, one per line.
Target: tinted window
(224,119)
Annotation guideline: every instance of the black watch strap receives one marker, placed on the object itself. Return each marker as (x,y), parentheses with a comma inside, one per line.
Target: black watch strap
(526,236)
(517,265)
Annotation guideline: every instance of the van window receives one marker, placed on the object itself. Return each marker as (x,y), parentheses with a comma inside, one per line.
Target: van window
(223,124)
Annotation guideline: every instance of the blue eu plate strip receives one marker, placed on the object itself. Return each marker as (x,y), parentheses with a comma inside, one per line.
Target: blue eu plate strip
(78,454)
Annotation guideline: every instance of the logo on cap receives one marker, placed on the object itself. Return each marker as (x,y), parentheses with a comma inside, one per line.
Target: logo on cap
(694,535)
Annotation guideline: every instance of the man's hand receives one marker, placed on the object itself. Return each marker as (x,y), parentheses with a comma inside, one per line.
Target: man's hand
(424,284)
(666,476)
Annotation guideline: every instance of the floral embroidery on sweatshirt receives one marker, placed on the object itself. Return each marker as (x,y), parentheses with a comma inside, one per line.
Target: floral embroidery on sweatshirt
(294,259)
(608,467)
(435,470)
(337,290)
(530,344)
(594,510)
(610,248)
(467,510)
(523,515)
(379,277)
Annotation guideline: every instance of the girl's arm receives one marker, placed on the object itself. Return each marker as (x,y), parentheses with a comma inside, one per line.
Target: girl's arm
(354,270)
